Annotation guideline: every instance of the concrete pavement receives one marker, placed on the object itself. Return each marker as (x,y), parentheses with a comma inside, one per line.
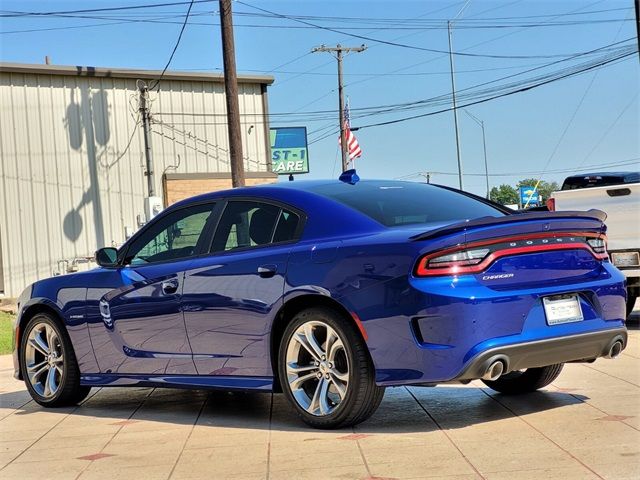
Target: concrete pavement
(586,425)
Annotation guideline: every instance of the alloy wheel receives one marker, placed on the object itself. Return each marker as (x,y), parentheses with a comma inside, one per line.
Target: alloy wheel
(317,368)
(44,360)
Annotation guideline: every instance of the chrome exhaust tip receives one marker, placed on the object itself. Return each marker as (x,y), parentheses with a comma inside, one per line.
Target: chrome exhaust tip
(615,349)
(494,371)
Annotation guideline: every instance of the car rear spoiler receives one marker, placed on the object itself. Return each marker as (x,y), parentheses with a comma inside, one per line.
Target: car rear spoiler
(515,217)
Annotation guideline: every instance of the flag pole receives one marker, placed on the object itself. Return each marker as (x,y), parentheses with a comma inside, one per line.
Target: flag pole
(350,160)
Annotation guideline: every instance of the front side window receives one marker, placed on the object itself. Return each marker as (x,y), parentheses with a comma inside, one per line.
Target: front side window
(173,237)
(250,223)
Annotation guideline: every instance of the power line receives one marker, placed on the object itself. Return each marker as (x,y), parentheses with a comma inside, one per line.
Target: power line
(392,20)
(333,89)
(608,129)
(578,10)
(504,94)
(104,9)
(630,161)
(184,25)
(572,12)
(473,46)
(126,148)
(330,62)
(402,45)
(286,63)
(168,21)
(472,98)
(472,91)
(569,123)
(303,17)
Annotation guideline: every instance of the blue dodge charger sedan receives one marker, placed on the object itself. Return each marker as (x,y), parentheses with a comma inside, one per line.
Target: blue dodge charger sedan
(329,292)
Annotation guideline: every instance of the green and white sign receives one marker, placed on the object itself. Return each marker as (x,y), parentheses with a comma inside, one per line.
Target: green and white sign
(289,154)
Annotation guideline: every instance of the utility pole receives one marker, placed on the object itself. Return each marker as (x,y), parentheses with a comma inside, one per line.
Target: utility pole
(146,127)
(484,146)
(455,108)
(231,92)
(338,50)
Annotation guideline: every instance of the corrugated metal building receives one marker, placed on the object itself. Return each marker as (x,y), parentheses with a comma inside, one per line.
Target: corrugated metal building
(72,175)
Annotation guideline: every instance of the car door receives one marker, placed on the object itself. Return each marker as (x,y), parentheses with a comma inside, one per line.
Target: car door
(142,327)
(231,296)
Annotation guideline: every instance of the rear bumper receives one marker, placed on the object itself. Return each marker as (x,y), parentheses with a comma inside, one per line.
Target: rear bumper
(550,351)
(435,330)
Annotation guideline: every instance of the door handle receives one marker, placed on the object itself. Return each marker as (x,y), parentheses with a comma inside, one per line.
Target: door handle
(267,271)
(170,286)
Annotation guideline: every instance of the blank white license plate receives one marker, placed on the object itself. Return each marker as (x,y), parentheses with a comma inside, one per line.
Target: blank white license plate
(625,259)
(562,309)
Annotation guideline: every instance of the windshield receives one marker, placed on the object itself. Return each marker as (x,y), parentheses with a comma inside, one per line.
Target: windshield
(395,203)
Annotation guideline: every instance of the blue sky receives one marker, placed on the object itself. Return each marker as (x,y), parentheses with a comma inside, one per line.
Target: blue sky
(583,121)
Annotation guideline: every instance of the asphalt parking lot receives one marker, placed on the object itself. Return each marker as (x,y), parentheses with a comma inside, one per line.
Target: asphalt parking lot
(585,425)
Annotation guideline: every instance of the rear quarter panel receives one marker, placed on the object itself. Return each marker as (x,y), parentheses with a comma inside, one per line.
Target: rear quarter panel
(371,276)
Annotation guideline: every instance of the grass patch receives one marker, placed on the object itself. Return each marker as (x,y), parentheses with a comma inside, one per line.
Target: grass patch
(6,326)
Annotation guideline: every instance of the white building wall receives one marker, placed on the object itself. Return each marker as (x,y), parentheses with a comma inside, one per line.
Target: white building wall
(68,182)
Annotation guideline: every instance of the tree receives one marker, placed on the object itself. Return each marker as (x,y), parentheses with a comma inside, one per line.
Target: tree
(544,188)
(504,194)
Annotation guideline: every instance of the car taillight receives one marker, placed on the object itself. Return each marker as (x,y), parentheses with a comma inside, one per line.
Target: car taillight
(478,256)
(457,262)
(551,204)
(464,258)
(598,245)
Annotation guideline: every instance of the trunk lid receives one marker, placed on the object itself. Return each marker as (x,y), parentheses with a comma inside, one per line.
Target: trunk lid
(516,251)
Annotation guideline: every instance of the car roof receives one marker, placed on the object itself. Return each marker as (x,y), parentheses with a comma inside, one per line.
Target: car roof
(316,206)
(282,189)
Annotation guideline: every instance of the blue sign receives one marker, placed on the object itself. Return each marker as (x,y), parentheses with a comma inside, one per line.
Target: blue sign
(529,196)
(289,152)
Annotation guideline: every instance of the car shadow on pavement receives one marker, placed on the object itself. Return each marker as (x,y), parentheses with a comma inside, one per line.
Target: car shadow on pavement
(403,410)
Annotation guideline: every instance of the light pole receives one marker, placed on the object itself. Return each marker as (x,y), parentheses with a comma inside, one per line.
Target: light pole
(484,146)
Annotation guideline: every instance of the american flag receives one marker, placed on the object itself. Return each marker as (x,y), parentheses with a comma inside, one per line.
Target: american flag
(354,148)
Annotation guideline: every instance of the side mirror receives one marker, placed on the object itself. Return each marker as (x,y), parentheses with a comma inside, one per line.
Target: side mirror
(107,257)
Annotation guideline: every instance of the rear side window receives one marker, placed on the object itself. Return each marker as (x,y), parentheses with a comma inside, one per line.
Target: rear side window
(250,224)
(404,203)
(600,180)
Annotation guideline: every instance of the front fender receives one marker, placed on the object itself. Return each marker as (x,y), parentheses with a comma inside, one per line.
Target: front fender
(27,307)
(66,299)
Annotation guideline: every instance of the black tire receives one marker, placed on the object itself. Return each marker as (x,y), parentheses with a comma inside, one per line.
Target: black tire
(527,381)
(631,303)
(362,396)
(69,391)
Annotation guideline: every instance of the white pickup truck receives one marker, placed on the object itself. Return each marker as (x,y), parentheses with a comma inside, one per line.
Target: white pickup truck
(618,195)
